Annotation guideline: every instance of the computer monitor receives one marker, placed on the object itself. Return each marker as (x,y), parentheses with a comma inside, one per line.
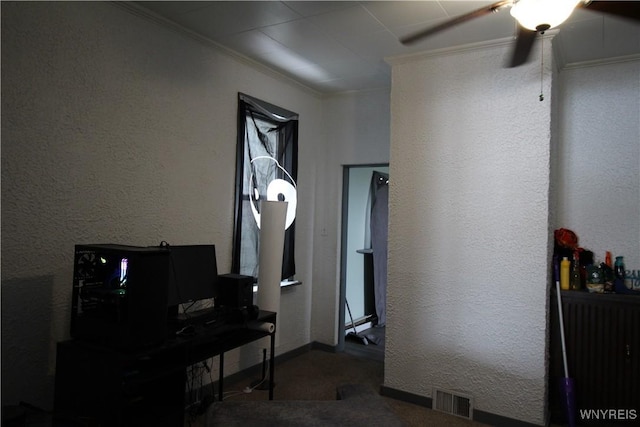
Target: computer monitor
(193,273)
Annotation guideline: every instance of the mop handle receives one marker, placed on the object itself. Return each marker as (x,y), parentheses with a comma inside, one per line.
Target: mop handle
(353,325)
(564,348)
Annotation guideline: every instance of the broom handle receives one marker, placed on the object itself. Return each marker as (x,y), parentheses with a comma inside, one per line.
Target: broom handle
(353,325)
(564,348)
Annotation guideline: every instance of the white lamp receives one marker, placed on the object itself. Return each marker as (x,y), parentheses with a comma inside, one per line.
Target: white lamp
(541,15)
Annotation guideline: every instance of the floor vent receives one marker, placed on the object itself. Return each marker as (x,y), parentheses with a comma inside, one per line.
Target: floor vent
(453,403)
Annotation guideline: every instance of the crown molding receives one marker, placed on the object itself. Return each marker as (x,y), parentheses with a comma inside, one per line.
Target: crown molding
(600,62)
(455,50)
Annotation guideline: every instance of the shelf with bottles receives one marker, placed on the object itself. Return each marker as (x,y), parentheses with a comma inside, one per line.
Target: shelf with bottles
(578,269)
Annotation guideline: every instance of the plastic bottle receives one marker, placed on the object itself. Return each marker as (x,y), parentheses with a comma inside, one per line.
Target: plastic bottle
(574,280)
(620,283)
(607,259)
(565,266)
(618,268)
(586,258)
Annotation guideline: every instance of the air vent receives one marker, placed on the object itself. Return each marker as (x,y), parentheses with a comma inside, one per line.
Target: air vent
(453,403)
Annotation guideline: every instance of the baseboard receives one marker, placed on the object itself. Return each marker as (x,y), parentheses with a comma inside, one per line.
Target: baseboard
(499,420)
(280,358)
(479,416)
(252,371)
(359,327)
(206,391)
(323,347)
(257,368)
(405,396)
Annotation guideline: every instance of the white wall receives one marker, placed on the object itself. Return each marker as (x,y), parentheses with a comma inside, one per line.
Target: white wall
(115,129)
(356,127)
(599,159)
(468,230)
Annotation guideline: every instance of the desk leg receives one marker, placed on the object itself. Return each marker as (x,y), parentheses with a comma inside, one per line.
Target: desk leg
(221,377)
(272,365)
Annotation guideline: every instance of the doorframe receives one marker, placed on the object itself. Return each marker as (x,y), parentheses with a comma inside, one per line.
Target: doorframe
(343,247)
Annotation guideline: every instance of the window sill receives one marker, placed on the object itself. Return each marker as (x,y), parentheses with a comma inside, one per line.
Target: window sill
(283,284)
(287,283)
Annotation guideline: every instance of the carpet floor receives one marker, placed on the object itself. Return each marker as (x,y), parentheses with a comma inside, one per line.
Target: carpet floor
(314,375)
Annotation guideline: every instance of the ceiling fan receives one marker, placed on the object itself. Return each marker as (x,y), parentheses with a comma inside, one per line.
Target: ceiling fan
(533,16)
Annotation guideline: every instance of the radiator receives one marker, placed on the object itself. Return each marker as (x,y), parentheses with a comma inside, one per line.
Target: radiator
(602,334)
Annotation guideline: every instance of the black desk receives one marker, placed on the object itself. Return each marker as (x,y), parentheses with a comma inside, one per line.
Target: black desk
(97,385)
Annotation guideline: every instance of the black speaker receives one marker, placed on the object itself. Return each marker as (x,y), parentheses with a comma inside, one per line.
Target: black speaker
(234,291)
(120,295)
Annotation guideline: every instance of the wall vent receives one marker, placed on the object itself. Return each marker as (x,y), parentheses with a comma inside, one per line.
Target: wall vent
(453,403)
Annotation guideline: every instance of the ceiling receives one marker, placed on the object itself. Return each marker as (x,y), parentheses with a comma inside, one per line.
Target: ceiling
(336,46)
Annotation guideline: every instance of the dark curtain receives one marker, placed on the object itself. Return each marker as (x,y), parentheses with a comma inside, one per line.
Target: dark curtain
(379,218)
(267,154)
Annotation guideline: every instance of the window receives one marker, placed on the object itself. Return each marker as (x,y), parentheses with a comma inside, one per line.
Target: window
(266,169)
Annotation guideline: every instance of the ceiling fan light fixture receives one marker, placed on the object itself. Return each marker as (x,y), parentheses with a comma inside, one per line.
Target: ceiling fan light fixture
(540,15)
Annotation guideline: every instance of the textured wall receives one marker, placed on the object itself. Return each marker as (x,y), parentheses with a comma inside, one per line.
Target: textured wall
(468,232)
(599,159)
(115,129)
(356,131)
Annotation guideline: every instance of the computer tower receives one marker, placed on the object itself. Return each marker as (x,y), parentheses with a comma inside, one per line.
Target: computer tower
(119,295)
(235,291)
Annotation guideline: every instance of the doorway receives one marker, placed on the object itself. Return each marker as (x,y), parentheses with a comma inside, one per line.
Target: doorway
(363,283)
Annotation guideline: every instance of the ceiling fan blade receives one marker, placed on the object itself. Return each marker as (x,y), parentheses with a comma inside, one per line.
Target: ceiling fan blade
(622,9)
(412,38)
(522,49)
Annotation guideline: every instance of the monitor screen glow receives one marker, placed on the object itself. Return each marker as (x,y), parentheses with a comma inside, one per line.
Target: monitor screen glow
(193,273)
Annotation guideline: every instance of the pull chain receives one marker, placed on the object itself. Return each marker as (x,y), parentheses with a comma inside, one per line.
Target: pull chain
(541,68)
